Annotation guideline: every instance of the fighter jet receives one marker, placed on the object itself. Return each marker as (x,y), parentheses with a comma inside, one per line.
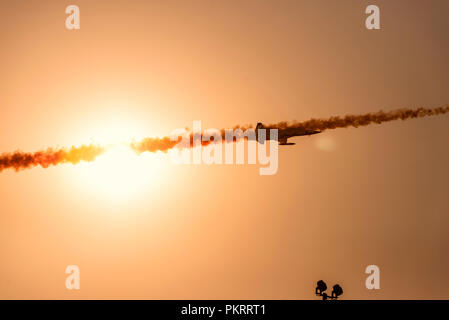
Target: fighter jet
(284,134)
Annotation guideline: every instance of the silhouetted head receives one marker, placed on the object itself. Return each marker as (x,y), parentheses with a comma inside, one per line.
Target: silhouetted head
(321,286)
(337,291)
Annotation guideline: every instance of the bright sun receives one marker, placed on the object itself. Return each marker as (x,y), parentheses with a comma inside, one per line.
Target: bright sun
(120,173)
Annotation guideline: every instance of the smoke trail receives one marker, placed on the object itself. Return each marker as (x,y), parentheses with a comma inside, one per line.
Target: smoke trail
(362,120)
(20,160)
(154,144)
(298,128)
(164,144)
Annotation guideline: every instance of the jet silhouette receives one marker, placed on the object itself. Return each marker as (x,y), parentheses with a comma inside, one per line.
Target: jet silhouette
(284,134)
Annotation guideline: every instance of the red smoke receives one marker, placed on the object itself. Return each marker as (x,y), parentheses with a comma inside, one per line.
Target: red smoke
(23,160)
(363,119)
(20,160)
(164,144)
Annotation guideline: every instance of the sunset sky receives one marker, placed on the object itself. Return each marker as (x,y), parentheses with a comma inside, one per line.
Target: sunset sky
(141,227)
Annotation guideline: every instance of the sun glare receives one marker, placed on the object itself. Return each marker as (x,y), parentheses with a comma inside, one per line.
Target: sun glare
(120,173)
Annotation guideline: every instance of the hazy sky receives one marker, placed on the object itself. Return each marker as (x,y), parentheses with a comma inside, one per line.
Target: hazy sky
(141,227)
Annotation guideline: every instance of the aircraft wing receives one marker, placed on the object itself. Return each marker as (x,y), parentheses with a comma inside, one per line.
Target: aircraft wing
(283,142)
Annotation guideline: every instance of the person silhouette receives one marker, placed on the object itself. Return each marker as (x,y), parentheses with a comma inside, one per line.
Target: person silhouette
(320,287)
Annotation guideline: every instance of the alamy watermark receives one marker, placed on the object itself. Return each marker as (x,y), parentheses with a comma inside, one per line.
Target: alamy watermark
(72,282)
(72,22)
(207,147)
(373,280)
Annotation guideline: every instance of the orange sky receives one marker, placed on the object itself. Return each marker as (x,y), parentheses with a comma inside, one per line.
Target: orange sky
(141,227)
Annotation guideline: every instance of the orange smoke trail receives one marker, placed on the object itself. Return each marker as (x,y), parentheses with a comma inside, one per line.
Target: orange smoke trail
(154,144)
(23,160)
(164,144)
(19,160)
(363,120)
